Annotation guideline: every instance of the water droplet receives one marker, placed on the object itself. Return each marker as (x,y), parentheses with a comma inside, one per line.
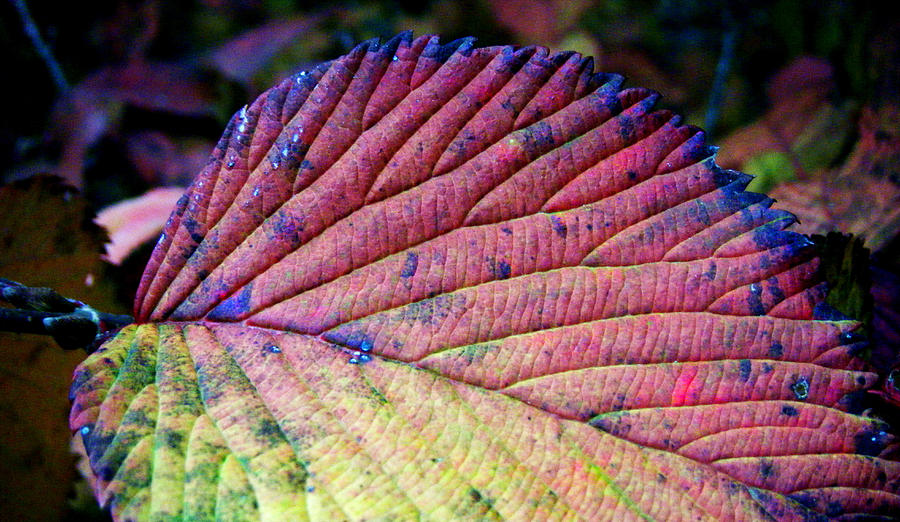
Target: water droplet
(310,489)
(231,162)
(275,163)
(364,358)
(353,360)
(801,389)
(285,152)
(255,192)
(366,345)
(296,137)
(272,348)
(85,430)
(242,128)
(755,288)
(394,58)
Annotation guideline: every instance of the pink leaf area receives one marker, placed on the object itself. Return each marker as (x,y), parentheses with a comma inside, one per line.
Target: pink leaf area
(438,280)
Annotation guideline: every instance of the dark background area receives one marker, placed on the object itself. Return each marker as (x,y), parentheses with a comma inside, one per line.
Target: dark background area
(803,94)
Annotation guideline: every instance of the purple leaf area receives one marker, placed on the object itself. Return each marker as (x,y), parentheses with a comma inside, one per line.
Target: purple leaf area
(493,283)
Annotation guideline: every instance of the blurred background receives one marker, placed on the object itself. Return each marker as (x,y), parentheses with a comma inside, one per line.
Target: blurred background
(123,100)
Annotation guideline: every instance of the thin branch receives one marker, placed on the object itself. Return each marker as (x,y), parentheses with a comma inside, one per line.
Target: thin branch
(723,70)
(43,50)
(42,311)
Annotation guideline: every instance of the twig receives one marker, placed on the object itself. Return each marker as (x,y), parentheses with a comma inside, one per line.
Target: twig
(41,46)
(73,324)
(723,69)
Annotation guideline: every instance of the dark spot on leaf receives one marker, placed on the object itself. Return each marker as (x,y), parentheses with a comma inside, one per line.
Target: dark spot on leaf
(800,388)
(499,269)
(711,273)
(790,411)
(476,352)
(410,265)
(558,226)
(267,428)
(775,290)
(834,509)
(377,395)
(766,468)
(476,496)
(805,499)
(174,439)
(776,350)
(703,214)
(767,368)
(754,299)
(631,174)
(270,348)
(825,312)
(746,367)
(626,127)
(235,306)
(660,478)
(506,230)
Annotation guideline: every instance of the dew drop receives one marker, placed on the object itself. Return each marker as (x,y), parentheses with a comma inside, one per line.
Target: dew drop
(800,389)
(353,360)
(272,348)
(275,163)
(285,152)
(755,288)
(256,192)
(363,358)
(231,162)
(310,489)
(242,128)
(296,137)
(394,58)
(85,430)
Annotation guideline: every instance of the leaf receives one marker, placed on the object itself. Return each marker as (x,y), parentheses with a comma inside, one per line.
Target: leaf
(133,221)
(862,196)
(443,281)
(241,58)
(48,240)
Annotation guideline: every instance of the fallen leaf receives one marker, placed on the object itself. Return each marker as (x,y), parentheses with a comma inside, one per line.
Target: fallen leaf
(452,282)
(161,160)
(95,105)
(132,222)
(242,57)
(797,94)
(862,197)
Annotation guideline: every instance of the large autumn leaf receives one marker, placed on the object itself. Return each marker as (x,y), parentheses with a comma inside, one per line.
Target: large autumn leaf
(451,282)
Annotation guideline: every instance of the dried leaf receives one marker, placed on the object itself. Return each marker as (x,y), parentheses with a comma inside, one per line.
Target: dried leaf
(48,240)
(132,222)
(451,282)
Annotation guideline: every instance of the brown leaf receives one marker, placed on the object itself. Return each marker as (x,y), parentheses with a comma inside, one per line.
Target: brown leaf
(48,240)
